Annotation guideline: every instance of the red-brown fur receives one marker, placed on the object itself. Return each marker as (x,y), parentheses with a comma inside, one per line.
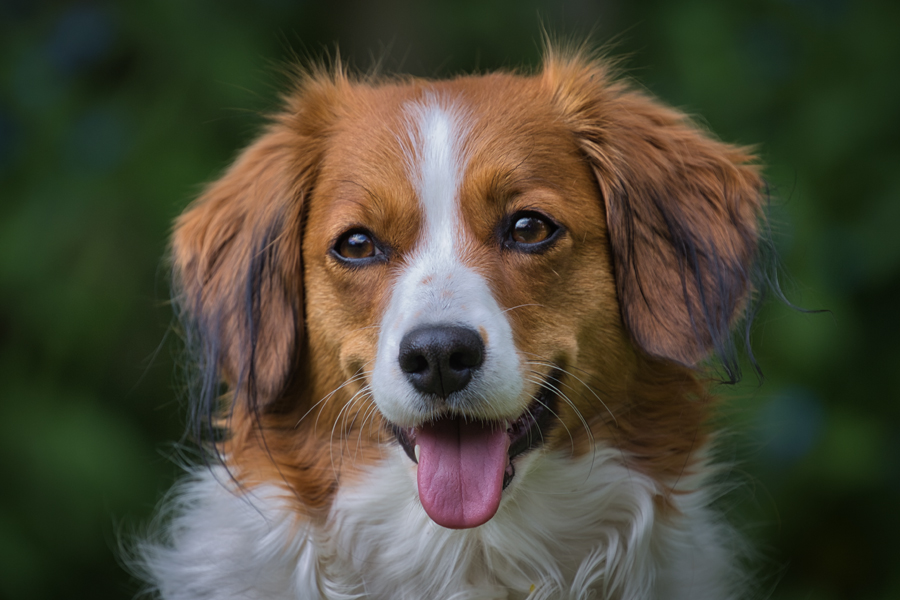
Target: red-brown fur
(613,303)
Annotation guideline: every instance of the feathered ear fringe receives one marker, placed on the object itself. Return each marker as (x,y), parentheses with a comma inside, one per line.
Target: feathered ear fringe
(685,212)
(232,277)
(236,264)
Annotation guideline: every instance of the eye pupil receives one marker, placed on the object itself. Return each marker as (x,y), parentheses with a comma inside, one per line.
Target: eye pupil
(530,230)
(357,245)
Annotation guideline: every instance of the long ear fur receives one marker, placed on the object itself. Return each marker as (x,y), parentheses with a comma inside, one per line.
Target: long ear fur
(682,211)
(236,254)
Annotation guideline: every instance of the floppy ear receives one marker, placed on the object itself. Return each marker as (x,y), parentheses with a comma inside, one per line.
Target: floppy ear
(682,211)
(236,267)
(236,253)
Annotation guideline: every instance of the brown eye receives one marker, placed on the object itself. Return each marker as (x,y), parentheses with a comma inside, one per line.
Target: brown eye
(356,246)
(530,230)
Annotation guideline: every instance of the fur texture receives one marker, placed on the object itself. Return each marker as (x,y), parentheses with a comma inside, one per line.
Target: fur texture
(498,290)
(574,531)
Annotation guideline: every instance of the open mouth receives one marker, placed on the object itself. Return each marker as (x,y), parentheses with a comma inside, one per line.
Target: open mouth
(465,464)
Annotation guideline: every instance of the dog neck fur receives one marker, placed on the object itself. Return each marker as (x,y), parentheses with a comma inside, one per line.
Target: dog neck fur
(378,543)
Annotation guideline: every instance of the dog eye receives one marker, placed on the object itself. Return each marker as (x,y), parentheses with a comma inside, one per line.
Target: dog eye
(356,245)
(530,231)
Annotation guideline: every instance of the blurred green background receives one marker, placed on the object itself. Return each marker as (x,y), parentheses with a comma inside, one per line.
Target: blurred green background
(113,115)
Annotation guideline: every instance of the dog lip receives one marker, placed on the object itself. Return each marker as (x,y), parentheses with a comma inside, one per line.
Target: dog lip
(526,432)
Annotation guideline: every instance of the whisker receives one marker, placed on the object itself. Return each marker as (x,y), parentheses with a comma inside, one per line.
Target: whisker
(613,430)
(550,362)
(356,377)
(506,310)
(568,401)
(558,418)
(362,393)
(587,386)
(367,418)
(581,418)
(361,373)
(321,406)
(341,418)
(364,396)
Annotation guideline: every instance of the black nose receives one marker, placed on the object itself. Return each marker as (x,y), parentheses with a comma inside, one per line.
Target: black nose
(440,359)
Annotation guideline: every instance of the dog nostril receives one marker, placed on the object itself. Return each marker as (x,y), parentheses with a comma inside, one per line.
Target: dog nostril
(416,364)
(466,359)
(440,359)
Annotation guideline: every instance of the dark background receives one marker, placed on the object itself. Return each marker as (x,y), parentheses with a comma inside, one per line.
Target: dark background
(113,115)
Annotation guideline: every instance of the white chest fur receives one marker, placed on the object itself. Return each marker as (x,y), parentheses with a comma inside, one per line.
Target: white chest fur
(570,529)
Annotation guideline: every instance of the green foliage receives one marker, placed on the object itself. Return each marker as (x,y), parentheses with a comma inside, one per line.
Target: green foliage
(113,115)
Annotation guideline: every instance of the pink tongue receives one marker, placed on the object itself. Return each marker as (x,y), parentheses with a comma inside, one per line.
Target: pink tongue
(461,468)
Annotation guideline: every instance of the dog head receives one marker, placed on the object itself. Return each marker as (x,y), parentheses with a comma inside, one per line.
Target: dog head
(480,269)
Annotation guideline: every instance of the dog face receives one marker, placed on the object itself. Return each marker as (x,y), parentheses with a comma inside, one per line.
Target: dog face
(449,258)
(479,270)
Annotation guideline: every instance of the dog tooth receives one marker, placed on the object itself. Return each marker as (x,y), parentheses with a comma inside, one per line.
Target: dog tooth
(417,453)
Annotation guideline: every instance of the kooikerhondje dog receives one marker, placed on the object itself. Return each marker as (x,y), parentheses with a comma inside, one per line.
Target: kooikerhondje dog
(459,323)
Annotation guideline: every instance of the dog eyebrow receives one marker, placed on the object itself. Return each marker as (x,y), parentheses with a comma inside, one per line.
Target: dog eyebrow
(506,184)
(375,198)
(371,203)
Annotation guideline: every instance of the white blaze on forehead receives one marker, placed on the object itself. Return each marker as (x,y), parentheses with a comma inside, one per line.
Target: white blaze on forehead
(436,285)
(435,163)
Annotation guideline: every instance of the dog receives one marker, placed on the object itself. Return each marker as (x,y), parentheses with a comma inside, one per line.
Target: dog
(455,340)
